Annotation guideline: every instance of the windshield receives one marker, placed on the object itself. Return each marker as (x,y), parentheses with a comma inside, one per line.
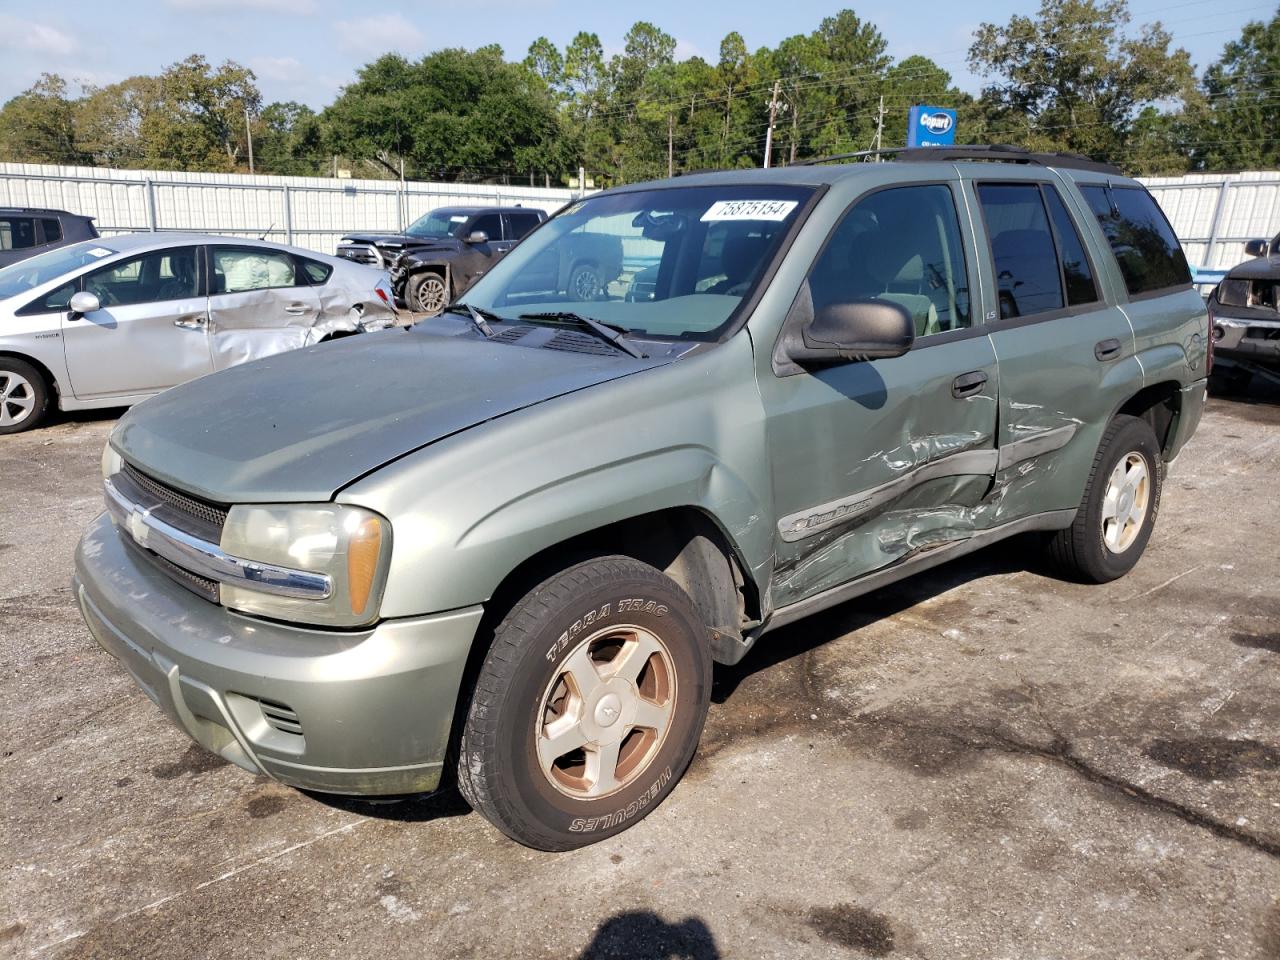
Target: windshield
(437,224)
(672,262)
(28,274)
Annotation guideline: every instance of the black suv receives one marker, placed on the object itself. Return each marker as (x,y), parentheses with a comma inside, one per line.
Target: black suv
(443,252)
(26,231)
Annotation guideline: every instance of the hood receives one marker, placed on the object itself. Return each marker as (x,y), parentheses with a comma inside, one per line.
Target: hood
(1259,268)
(301,425)
(401,240)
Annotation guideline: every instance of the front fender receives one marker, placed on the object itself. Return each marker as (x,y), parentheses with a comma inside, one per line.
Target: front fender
(469,509)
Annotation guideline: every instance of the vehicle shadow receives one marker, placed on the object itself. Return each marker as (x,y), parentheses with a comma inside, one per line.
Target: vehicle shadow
(416,808)
(643,935)
(75,418)
(1008,556)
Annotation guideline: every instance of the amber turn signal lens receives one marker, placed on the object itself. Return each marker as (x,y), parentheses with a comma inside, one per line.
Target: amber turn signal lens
(362,562)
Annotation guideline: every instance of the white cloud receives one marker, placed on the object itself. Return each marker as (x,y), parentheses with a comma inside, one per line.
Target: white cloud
(281,69)
(222,6)
(685,50)
(36,37)
(378,33)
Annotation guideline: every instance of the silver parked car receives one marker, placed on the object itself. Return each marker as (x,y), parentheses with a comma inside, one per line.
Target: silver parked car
(109,322)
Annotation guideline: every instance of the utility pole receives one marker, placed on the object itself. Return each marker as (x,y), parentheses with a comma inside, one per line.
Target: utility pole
(879,128)
(249,132)
(671,162)
(773,113)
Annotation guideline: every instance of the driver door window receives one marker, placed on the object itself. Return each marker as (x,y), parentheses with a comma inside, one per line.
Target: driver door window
(902,245)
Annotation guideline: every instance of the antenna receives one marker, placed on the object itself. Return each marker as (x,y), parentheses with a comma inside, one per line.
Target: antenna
(268,230)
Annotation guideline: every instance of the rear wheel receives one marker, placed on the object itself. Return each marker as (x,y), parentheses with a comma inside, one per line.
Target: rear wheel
(588,707)
(24,396)
(426,293)
(1119,507)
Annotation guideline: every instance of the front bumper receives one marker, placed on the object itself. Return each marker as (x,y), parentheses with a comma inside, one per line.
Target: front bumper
(1243,338)
(338,712)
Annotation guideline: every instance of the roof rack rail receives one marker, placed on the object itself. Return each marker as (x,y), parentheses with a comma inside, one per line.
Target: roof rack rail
(1000,152)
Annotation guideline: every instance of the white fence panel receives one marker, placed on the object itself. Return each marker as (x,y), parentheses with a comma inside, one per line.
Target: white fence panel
(311,212)
(1214,215)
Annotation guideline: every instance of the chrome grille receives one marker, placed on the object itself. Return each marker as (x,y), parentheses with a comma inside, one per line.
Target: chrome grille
(207,513)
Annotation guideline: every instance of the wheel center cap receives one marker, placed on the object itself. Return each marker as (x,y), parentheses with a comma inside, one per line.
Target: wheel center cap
(608,710)
(1126,501)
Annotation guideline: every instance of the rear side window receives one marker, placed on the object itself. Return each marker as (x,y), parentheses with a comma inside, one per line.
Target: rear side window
(521,223)
(316,271)
(1022,249)
(17,233)
(1077,275)
(52,230)
(902,245)
(1146,249)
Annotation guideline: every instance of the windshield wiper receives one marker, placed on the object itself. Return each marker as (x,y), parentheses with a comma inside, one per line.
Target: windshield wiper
(606,331)
(477,315)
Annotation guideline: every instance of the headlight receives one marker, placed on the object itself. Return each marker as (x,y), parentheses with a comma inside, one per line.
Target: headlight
(111,462)
(350,545)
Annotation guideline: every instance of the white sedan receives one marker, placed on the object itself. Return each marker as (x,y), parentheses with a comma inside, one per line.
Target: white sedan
(111,321)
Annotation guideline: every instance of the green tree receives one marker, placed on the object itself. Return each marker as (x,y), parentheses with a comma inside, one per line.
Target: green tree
(38,125)
(198,119)
(1071,78)
(456,114)
(1241,123)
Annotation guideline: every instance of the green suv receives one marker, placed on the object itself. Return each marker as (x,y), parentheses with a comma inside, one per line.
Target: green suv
(509,544)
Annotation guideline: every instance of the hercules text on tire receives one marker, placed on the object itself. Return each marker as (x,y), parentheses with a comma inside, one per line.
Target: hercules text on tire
(589,706)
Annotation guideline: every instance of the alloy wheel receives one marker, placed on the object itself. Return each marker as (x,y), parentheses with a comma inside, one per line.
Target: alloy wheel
(1124,506)
(17,398)
(606,712)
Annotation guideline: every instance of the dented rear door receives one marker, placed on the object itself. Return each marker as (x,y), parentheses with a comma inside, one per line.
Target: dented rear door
(876,461)
(260,303)
(1066,350)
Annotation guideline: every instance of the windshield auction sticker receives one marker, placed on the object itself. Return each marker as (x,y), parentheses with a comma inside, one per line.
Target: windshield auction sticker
(99,252)
(750,210)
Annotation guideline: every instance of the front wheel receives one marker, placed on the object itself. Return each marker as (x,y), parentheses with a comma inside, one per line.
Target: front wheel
(589,706)
(585,283)
(1119,507)
(426,293)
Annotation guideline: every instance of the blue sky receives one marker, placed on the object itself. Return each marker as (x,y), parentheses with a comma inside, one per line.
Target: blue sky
(306,50)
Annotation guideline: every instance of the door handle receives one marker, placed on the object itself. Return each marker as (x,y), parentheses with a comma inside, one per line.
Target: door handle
(192,321)
(967,384)
(1107,349)
(296,309)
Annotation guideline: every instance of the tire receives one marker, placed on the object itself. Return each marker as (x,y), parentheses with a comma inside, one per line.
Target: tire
(426,292)
(550,673)
(585,283)
(24,396)
(1099,546)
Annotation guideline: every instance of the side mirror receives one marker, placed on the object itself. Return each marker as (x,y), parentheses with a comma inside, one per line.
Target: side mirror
(857,330)
(477,236)
(1255,248)
(82,303)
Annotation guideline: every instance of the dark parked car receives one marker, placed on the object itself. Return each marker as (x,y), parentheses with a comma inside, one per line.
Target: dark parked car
(443,252)
(26,231)
(1246,314)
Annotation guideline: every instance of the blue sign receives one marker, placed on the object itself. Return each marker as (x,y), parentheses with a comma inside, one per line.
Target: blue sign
(931,127)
